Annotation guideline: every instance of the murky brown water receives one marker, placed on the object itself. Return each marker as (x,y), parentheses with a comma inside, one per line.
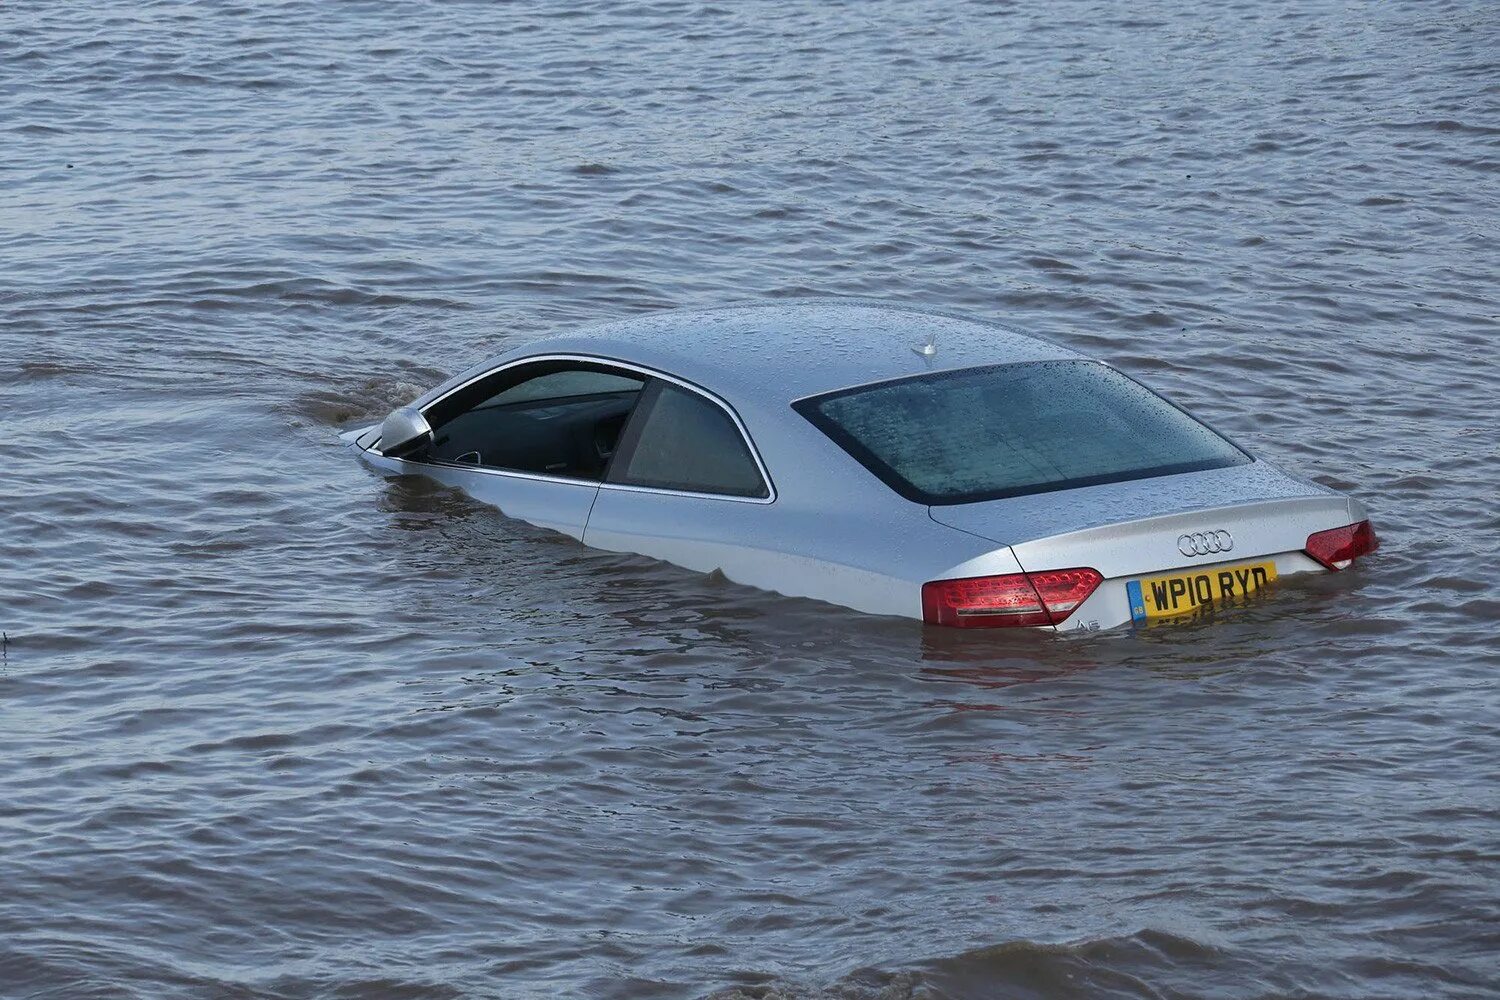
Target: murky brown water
(271,726)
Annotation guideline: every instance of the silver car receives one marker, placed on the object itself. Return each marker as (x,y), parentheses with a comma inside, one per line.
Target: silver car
(887,460)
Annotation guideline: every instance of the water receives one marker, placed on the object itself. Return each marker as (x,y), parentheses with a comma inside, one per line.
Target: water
(271,726)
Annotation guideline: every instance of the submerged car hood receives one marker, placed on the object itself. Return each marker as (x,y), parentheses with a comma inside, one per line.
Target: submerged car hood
(1015,520)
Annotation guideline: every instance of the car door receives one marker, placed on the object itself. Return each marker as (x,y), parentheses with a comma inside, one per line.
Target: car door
(533,438)
(686,486)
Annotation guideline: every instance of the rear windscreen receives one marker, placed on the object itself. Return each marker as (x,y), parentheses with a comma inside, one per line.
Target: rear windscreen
(1008,430)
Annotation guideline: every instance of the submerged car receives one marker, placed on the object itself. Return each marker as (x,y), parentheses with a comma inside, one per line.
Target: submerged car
(887,460)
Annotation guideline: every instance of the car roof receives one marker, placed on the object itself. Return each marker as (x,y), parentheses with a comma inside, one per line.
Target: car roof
(790,349)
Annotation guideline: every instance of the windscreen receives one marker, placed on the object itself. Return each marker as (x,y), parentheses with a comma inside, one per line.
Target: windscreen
(1008,430)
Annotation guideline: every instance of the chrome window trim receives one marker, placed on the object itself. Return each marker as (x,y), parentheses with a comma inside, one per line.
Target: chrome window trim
(507,473)
(598,359)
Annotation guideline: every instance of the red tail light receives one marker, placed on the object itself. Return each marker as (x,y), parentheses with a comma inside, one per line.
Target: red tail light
(1013,599)
(1336,548)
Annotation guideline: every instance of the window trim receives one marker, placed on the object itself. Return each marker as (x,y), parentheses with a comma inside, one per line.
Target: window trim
(807,407)
(627,366)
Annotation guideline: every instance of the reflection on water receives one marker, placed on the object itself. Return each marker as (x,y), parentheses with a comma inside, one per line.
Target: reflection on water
(274,726)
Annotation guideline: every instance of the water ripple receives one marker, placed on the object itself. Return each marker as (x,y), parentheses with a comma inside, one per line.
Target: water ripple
(274,727)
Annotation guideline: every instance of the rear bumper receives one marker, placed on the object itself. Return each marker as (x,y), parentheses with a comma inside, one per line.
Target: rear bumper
(1109,605)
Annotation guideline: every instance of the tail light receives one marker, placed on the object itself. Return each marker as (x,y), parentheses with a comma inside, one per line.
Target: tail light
(1336,548)
(1013,599)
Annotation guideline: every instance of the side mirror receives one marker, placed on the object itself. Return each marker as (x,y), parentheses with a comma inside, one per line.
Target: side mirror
(403,432)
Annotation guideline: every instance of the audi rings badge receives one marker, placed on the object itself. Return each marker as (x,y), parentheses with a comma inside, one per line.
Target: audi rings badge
(1203,543)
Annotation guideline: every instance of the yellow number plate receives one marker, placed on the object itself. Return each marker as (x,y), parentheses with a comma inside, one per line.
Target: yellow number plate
(1183,593)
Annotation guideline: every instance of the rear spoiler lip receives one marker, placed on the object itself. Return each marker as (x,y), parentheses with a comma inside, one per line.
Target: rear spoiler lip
(1353,510)
(1193,517)
(1260,529)
(1030,521)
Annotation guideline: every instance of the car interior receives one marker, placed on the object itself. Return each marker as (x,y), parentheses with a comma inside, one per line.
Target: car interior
(560,424)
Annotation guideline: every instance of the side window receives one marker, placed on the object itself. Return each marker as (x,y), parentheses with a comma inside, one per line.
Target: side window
(682,441)
(563,384)
(557,418)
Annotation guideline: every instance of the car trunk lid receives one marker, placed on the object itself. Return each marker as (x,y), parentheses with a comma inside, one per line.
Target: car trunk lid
(1137,527)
